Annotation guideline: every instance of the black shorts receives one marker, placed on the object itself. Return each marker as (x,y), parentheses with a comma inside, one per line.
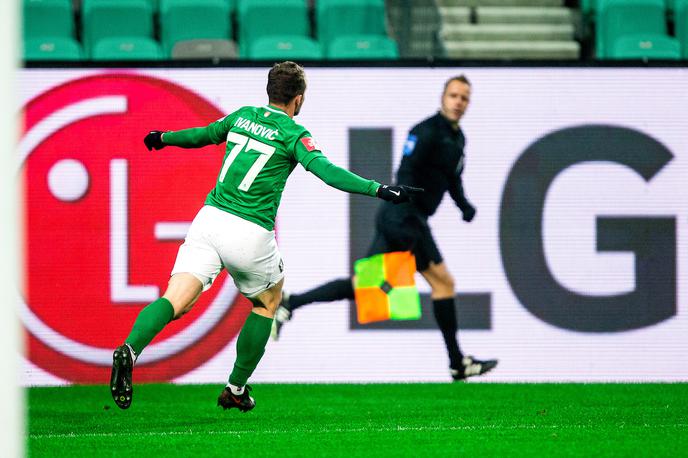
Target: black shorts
(401,228)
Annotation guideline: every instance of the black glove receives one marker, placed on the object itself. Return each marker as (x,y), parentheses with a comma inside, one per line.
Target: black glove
(397,194)
(468,211)
(154,140)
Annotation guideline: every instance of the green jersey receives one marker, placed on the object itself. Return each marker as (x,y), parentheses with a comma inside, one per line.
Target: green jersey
(263,147)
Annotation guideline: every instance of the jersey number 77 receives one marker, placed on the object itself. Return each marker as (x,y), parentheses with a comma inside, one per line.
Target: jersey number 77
(244,143)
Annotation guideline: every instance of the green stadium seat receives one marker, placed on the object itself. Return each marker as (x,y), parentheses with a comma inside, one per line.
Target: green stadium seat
(48,18)
(363,47)
(285,48)
(124,48)
(115,18)
(155,5)
(644,46)
(681,25)
(182,20)
(55,48)
(590,6)
(335,18)
(263,18)
(616,18)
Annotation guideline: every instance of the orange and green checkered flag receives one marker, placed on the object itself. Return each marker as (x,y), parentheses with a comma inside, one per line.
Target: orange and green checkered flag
(385,288)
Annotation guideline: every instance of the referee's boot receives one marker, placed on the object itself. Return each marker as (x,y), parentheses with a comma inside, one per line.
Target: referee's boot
(471,367)
(282,315)
(243,401)
(121,387)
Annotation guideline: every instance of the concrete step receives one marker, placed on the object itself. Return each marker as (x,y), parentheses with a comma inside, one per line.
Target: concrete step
(523,15)
(423,29)
(455,15)
(419,51)
(445,3)
(507,32)
(508,50)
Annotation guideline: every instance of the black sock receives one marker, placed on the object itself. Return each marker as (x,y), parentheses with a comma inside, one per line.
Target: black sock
(445,315)
(332,291)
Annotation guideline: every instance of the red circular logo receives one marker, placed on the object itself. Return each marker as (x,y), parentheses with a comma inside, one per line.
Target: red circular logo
(103,221)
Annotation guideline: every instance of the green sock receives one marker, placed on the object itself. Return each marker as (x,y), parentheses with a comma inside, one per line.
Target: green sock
(149,323)
(250,347)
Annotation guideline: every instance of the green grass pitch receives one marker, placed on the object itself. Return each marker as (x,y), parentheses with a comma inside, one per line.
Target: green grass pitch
(291,420)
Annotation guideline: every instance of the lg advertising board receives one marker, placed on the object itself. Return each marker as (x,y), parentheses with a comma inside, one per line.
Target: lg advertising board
(574,268)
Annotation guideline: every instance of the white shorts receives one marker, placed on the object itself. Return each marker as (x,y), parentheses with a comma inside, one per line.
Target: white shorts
(218,239)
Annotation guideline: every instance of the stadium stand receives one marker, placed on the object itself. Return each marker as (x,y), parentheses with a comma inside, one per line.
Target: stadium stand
(285,47)
(616,18)
(363,47)
(355,29)
(507,29)
(115,18)
(123,48)
(48,18)
(681,25)
(52,48)
(415,25)
(643,46)
(155,4)
(182,20)
(203,29)
(336,18)
(264,18)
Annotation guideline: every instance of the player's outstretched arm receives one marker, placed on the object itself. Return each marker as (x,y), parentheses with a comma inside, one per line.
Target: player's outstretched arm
(347,181)
(340,178)
(195,137)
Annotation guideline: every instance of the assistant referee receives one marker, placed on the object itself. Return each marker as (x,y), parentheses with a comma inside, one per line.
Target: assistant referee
(433,159)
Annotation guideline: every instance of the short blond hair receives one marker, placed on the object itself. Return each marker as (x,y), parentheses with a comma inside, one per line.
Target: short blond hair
(461,78)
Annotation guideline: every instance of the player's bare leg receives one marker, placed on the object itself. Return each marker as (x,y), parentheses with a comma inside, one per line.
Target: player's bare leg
(182,292)
(444,309)
(250,346)
(440,280)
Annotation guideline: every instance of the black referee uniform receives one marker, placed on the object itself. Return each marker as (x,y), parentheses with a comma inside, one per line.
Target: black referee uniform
(433,160)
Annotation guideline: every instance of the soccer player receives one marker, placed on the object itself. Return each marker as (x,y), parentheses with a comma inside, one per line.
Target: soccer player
(433,159)
(234,229)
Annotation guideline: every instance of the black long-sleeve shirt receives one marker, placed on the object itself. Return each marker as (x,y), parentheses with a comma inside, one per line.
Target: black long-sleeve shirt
(433,160)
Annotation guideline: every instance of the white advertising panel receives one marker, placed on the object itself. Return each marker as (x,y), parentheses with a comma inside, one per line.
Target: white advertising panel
(578,252)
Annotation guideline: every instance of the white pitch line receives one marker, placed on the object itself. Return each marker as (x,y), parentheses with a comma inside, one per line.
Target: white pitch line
(340,430)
